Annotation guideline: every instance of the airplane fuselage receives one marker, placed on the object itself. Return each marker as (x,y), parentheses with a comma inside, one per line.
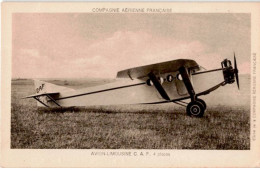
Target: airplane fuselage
(137,91)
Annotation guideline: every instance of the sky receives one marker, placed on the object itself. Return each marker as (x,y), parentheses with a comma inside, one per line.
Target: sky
(81,45)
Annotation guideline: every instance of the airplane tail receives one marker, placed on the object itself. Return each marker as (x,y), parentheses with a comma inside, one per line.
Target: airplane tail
(46,93)
(45,87)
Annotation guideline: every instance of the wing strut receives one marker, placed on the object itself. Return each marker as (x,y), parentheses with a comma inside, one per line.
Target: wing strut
(158,86)
(185,77)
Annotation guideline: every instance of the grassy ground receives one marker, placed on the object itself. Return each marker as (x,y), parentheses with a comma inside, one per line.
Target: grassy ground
(127,126)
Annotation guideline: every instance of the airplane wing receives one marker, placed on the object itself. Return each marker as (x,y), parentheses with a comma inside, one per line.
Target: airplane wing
(159,68)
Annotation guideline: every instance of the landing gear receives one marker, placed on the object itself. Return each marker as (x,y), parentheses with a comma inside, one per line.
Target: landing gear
(203,103)
(195,108)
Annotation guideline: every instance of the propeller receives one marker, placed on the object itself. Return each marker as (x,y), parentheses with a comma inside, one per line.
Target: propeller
(236,70)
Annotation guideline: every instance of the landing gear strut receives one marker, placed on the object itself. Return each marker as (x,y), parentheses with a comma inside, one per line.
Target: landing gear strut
(197,106)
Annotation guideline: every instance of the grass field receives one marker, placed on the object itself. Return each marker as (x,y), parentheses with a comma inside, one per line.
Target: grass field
(226,124)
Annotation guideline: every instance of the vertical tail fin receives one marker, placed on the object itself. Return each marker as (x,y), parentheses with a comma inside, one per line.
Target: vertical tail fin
(44,87)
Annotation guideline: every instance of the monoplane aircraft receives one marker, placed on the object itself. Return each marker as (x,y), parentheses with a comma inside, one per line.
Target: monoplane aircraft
(166,82)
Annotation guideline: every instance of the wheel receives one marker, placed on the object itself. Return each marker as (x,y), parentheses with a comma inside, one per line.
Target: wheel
(195,108)
(202,102)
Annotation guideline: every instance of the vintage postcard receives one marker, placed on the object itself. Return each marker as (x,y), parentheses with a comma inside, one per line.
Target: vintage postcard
(130,84)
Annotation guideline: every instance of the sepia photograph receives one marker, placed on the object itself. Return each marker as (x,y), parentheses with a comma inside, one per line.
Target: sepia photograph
(114,80)
(182,91)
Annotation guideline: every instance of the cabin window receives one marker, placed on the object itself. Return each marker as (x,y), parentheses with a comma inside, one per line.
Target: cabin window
(161,79)
(149,82)
(179,77)
(169,78)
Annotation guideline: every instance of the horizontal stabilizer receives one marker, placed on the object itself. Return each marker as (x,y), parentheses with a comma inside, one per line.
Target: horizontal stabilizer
(38,95)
